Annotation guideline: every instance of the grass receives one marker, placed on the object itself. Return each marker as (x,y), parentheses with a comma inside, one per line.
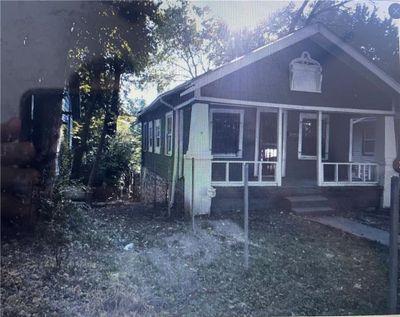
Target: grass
(296,267)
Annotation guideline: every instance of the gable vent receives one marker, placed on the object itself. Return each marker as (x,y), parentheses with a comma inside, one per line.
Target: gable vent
(305,74)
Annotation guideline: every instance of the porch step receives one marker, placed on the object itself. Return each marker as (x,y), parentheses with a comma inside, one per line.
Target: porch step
(315,204)
(295,199)
(313,210)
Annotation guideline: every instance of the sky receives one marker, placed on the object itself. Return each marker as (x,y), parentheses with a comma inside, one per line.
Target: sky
(241,14)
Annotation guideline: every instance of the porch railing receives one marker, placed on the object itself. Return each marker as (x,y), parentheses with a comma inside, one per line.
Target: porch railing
(230,173)
(349,174)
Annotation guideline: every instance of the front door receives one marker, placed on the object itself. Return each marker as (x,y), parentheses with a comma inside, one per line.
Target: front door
(307,144)
(267,142)
(300,147)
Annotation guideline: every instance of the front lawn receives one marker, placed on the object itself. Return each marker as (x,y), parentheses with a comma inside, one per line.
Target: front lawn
(296,267)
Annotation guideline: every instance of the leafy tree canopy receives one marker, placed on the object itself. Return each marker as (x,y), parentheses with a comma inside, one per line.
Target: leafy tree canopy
(188,38)
(359,25)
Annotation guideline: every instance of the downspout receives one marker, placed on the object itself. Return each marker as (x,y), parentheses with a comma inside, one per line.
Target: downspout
(175,163)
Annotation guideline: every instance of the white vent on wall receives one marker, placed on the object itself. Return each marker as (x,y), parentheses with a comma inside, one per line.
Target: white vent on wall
(305,74)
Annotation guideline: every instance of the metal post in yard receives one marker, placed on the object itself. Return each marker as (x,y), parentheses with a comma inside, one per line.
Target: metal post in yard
(394,12)
(394,244)
(155,192)
(193,195)
(246,216)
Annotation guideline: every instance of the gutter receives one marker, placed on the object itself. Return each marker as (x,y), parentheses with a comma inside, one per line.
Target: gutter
(159,98)
(175,162)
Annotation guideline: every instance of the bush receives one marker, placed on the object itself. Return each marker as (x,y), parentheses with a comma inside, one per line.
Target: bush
(62,222)
(117,160)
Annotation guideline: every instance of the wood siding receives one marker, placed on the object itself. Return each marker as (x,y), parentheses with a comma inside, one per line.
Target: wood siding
(161,164)
(267,80)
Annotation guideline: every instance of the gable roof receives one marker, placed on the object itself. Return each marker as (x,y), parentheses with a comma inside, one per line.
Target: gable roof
(283,43)
(269,49)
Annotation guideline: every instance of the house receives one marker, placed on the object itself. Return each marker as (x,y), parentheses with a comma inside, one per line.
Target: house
(305,112)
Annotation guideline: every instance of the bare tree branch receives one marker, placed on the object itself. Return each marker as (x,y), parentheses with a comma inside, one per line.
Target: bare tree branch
(297,17)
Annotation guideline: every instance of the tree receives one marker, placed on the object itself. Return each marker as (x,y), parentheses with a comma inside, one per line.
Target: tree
(361,27)
(118,38)
(189,38)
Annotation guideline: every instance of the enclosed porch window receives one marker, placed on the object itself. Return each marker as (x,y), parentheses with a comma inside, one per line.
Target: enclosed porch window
(226,132)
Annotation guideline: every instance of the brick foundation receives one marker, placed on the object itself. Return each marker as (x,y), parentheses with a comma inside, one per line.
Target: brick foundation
(153,188)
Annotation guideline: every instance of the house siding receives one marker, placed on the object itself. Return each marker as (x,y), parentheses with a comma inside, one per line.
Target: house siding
(160,164)
(267,80)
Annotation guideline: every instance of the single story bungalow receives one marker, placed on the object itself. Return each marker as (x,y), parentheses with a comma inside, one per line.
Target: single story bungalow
(307,112)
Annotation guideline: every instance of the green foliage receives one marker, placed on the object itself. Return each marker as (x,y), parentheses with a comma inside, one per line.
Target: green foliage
(115,30)
(120,156)
(115,40)
(117,160)
(62,223)
(188,37)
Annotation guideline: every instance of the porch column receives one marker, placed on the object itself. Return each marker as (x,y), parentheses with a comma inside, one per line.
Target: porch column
(319,149)
(278,172)
(199,150)
(386,128)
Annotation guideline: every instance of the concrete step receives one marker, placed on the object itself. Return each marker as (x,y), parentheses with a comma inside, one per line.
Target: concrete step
(306,198)
(313,210)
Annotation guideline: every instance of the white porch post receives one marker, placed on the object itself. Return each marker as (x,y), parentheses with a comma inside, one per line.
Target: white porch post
(319,148)
(284,142)
(389,154)
(351,140)
(199,150)
(278,172)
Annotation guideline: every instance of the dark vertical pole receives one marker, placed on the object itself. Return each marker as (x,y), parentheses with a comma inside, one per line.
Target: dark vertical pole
(193,194)
(394,244)
(155,192)
(246,216)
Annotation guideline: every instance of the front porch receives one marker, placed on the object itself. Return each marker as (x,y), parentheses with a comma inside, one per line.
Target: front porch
(288,149)
(338,149)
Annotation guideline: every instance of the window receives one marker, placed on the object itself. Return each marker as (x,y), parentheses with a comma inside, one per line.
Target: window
(308,136)
(368,138)
(144,136)
(151,137)
(168,133)
(226,132)
(157,136)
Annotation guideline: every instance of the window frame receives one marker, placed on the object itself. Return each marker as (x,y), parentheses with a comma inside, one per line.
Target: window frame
(167,134)
(145,133)
(239,153)
(150,136)
(157,136)
(364,139)
(314,116)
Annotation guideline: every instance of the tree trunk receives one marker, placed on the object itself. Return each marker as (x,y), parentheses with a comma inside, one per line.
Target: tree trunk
(114,110)
(85,133)
(99,152)
(296,19)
